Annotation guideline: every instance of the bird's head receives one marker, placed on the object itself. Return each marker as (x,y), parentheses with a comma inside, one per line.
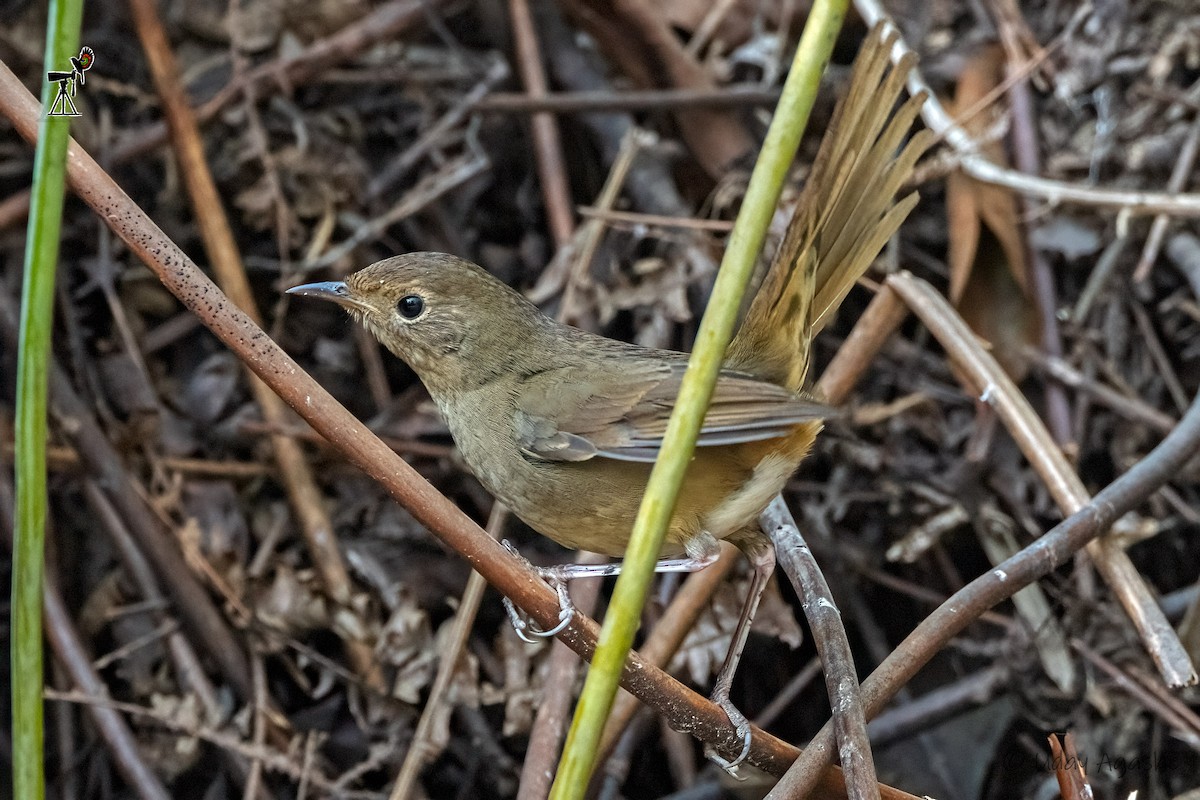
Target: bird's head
(450,320)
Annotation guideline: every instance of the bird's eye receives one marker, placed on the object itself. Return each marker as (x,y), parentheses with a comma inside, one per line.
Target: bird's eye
(410,306)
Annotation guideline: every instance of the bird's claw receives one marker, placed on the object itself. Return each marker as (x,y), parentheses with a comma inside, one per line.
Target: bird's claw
(525,628)
(742,726)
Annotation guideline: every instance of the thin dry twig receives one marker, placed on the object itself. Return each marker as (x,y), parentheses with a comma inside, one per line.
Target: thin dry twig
(578,266)
(222,248)
(421,747)
(787,695)
(1101,272)
(929,710)
(450,175)
(1158,355)
(1176,183)
(1027,160)
(547,144)
(634,100)
(435,133)
(1178,705)
(1132,408)
(71,652)
(660,220)
(191,675)
(282,763)
(1183,726)
(258,733)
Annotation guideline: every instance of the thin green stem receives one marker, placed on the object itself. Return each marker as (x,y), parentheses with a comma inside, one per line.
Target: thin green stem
(716,329)
(37,318)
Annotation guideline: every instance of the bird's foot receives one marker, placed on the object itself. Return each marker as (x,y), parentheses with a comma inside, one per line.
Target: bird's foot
(742,725)
(525,627)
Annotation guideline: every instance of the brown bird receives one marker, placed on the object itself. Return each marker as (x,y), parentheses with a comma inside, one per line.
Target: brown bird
(563,426)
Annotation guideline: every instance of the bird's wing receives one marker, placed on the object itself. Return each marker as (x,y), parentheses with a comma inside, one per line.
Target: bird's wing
(623,414)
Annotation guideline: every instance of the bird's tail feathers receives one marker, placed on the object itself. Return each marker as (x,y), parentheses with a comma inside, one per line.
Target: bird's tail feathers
(845,215)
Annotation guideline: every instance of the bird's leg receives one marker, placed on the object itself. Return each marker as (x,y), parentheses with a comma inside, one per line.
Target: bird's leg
(525,628)
(761,555)
(569,572)
(699,557)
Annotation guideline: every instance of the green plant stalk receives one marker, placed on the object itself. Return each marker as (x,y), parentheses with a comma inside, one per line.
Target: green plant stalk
(37,317)
(679,443)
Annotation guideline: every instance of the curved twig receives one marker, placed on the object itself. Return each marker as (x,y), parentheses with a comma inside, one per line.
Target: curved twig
(829,635)
(1052,191)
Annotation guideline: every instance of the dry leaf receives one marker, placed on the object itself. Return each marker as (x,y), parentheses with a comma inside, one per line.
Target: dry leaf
(464,689)
(173,753)
(524,675)
(405,643)
(291,604)
(731,22)
(988,271)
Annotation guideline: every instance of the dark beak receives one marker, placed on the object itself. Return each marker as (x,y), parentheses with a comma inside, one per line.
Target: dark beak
(337,291)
